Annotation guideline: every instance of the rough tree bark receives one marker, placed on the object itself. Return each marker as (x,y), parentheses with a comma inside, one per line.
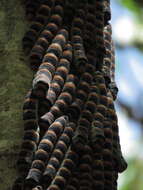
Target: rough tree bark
(15,80)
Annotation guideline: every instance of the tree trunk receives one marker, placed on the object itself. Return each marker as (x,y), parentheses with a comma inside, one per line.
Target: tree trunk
(15,79)
(14,65)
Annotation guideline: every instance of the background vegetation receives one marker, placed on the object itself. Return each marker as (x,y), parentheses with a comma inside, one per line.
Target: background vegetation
(127,23)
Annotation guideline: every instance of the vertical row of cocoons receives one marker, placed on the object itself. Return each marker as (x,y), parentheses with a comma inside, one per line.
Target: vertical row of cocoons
(58,80)
(97,145)
(31,134)
(50,62)
(78,22)
(46,36)
(97,133)
(108,163)
(108,154)
(28,148)
(60,75)
(98,172)
(30,112)
(80,58)
(44,151)
(113,123)
(58,154)
(118,162)
(83,88)
(86,118)
(60,107)
(85,169)
(99,6)
(89,34)
(65,171)
(107,59)
(112,61)
(121,164)
(37,25)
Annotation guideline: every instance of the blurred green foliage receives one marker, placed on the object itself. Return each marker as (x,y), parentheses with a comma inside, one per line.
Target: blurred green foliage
(133,177)
(131,4)
(135,6)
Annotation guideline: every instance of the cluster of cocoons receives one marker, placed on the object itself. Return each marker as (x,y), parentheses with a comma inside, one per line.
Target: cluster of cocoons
(71,136)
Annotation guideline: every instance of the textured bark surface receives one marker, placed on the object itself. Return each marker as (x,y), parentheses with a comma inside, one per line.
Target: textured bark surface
(15,80)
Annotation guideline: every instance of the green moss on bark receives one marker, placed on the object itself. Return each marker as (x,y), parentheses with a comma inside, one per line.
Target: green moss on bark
(15,80)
